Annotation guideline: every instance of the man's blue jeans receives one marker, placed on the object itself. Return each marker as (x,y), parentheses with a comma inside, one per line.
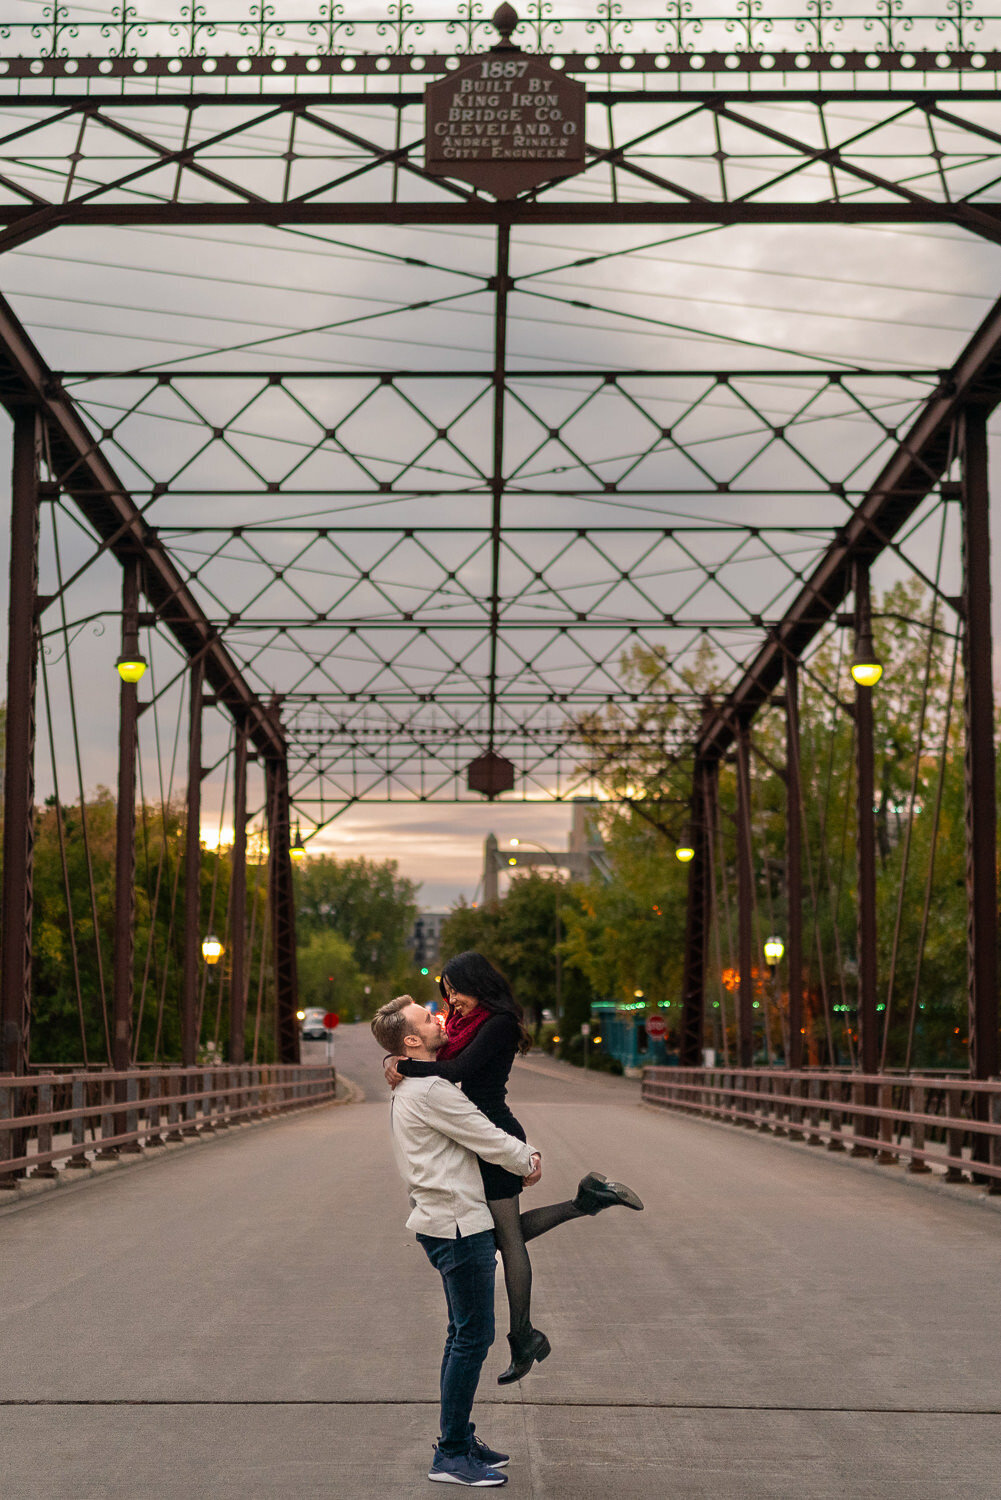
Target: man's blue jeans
(466,1267)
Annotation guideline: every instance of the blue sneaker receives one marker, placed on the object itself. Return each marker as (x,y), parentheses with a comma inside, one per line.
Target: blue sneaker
(464,1468)
(488,1456)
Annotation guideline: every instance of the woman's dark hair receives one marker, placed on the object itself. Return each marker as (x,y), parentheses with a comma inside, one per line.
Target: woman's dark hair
(472,974)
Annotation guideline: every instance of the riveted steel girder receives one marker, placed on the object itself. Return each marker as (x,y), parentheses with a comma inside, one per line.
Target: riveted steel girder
(916,466)
(82,470)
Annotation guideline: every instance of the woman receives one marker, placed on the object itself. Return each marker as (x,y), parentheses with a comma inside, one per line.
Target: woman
(485,1030)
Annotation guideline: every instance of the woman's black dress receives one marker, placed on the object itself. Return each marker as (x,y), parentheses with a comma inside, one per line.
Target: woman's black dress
(482,1070)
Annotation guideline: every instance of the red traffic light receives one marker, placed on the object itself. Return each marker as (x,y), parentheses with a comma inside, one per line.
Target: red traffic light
(331,1019)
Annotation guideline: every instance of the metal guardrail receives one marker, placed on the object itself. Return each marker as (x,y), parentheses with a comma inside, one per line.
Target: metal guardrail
(923,1120)
(107,1114)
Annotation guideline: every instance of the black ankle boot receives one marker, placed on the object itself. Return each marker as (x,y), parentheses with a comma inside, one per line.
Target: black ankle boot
(595,1192)
(525,1350)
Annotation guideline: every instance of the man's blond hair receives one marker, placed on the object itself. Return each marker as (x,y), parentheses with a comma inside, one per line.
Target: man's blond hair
(389,1025)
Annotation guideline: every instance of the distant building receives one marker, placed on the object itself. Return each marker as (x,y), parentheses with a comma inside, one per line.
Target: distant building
(583,856)
(425,940)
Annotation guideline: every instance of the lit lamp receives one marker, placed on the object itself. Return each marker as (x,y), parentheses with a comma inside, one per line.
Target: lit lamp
(131,666)
(297,849)
(212,949)
(512,860)
(867,668)
(684,852)
(774,949)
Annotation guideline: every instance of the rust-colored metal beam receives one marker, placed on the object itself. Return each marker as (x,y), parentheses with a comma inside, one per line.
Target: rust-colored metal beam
(981,798)
(23,224)
(192,870)
(19,765)
(125,828)
(705,781)
(745,902)
(865,857)
(282,902)
(238,903)
(794,865)
(83,471)
(905,481)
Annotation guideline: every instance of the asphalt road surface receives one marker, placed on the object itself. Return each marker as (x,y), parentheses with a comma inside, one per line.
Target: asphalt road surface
(249,1318)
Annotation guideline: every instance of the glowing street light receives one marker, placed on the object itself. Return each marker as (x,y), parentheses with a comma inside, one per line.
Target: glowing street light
(131,666)
(212,949)
(297,849)
(684,852)
(867,668)
(774,949)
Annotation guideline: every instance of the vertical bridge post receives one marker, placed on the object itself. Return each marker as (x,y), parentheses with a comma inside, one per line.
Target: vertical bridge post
(865,824)
(981,810)
(192,869)
(745,901)
(282,912)
(698,913)
(19,766)
(125,830)
(794,864)
(238,902)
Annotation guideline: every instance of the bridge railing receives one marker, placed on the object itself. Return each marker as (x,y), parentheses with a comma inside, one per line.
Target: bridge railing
(55,1121)
(922,1120)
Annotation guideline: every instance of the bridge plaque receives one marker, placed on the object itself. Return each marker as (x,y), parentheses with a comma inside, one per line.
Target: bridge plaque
(505,121)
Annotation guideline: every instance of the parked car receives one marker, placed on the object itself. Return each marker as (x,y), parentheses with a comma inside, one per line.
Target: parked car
(313,1029)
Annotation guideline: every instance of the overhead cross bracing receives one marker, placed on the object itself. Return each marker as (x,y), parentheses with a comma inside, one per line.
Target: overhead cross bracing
(413,600)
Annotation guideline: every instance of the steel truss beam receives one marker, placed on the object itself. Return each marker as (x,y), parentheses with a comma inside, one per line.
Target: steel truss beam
(111,177)
(959,408)
(19,768)
(903,184)
(916,467)
(282,902)
(78,467)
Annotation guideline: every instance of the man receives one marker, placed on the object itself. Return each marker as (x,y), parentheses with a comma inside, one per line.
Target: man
(437,1136)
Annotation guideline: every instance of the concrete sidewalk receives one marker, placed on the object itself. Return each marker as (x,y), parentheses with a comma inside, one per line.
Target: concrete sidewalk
(249,1319)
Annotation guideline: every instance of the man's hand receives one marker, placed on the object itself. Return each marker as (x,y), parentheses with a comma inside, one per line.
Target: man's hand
(392,1076)
(536,1172)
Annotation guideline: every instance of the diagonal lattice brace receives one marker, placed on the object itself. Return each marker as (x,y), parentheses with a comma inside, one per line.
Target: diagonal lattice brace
(83,472)
(905,481)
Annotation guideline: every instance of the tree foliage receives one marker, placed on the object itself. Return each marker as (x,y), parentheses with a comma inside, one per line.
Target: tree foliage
(621,937)
(354,918)
(371,908)
(67,1027)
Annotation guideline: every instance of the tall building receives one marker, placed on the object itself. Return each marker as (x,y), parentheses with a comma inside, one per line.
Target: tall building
(425,940)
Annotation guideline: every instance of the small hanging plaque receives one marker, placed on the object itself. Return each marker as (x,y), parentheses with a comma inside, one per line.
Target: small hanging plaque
(505,121)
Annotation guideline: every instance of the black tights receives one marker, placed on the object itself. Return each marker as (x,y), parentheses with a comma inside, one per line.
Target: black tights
(512,1230)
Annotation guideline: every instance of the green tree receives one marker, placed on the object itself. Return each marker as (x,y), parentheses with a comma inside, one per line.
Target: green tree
(918,770)
(73,960)
(518,934)
(329,975)
(371,907)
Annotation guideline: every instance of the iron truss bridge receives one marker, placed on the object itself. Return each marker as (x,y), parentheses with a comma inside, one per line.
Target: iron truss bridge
(443,511)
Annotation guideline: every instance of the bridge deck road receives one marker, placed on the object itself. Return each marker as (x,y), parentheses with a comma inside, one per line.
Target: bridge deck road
(248,1318)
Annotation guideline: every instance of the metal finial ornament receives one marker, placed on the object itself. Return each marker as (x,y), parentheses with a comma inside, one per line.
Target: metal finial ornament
(505,18)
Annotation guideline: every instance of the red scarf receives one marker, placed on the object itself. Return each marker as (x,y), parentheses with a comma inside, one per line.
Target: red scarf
(460,1030)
